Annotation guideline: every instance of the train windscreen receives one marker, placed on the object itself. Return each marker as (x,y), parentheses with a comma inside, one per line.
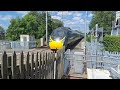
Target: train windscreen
(58,34)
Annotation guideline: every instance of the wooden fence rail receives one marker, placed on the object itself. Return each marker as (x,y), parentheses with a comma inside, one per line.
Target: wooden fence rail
(40,65)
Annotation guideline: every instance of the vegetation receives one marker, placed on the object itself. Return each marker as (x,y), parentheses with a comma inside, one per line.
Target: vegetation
(111,43)
(88,37)
(38,42)
(33,24)
(103,19)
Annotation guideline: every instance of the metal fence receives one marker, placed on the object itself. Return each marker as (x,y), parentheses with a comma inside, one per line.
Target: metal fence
(110,60)
(4,45)
(17,45)
(23,45)
(79,61)
(97,48)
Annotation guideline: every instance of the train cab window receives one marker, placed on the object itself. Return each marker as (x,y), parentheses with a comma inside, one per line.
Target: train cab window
(58,33)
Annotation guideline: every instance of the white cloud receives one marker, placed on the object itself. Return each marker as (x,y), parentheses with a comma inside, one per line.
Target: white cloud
(74,24)
(78,14)
(56,17)
(5,27)
(76,18)
(82,21)
(22,12)
(6,17)
(90,15)
(64,13)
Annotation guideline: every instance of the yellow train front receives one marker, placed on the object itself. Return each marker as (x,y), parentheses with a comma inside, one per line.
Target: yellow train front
(57,39)
(62,37)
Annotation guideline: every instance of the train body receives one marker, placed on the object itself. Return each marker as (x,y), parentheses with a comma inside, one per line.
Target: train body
(63,37)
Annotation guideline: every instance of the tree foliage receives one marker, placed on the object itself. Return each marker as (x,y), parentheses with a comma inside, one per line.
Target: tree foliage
(33,23)
(103,19)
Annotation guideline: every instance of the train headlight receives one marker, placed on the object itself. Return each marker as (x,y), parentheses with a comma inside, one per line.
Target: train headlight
(57,40)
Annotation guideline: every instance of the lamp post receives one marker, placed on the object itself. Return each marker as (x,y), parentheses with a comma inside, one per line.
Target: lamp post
(85,64)
(46,29)
(85,31)
(96,43)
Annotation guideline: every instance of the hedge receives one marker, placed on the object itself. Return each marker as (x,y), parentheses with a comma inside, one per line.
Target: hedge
(111,43)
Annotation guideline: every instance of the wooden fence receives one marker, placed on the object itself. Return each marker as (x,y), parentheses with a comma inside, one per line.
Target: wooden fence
(40,65)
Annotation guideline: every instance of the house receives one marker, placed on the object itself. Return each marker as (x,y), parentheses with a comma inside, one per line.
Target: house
(2,34)
(116,25)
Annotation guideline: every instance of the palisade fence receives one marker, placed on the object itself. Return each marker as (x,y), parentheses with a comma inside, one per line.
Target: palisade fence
(40,65)
(97,48)
(106,59)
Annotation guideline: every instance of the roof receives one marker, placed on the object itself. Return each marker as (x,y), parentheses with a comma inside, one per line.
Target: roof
(116,24)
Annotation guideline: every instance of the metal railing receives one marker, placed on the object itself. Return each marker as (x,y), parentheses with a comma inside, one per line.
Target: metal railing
(17,45)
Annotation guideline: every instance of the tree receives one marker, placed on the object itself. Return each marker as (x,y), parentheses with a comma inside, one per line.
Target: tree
(103,19)
(56,23)
(14,29)
(33,23)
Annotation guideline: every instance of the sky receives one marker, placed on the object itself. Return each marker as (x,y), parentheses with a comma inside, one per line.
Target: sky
(73,19)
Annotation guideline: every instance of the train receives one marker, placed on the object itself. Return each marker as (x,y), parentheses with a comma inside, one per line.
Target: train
(63,37)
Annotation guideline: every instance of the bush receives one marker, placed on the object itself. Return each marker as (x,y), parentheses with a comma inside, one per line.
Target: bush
(38,42)
(111,43)
(88,38)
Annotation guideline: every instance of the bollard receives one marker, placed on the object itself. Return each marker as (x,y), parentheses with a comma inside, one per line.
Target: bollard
(41,42)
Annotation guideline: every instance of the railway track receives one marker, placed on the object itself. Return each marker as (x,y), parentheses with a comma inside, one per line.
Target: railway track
(73,45)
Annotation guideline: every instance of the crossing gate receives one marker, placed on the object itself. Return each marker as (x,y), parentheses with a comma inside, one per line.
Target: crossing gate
(78,61)
(71,61)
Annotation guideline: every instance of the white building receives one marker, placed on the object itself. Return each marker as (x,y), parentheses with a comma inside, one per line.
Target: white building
(27,41)
(116,25)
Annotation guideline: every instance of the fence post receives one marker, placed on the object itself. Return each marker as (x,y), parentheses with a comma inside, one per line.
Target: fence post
(27,66)
(14,66)
(52,58)
(32,66)
(9,67)
(46,65)
(21,66)
(4,66)
(62,64)
(49,66)
(40,64)
(55,65)
(36,66)
(43,69)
